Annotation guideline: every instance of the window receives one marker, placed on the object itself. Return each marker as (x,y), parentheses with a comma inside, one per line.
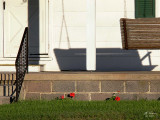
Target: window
(144,8)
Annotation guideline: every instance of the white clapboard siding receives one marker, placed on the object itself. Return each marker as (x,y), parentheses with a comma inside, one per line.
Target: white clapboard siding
(70,5)
(76,19)
(106,34)
(111,18)
(72,44)
(110,55)
(74,34)
(114,5)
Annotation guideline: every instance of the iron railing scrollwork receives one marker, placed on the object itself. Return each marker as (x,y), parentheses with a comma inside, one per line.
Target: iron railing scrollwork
(21,62)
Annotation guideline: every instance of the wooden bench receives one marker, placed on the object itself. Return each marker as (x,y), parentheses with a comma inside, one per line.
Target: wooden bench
(142,33)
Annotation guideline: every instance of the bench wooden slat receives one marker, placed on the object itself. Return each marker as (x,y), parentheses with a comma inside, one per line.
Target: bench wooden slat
(144,41)
(142,47)
(144,22)
(145,32)
(144,35)
(140,33)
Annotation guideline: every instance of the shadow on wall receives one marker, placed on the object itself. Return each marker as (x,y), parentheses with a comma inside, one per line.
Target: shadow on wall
(108,59)
(33,24)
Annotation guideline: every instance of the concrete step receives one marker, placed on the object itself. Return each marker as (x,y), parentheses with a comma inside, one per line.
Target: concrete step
(94,76)
(5,100)
(11,68)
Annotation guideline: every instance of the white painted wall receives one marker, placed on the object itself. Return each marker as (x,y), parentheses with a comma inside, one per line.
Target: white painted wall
(70,54)
(68,41)
(1,28)
(157,8)
(108,26)
(69,35)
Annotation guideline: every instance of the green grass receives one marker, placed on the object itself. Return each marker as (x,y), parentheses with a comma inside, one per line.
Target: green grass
(80,110)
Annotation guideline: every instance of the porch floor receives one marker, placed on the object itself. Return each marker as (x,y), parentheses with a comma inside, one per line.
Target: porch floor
(87,75)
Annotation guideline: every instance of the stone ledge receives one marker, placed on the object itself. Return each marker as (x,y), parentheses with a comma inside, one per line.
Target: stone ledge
(94,76)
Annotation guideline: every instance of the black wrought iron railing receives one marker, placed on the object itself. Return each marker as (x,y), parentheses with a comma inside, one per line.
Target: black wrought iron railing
(21,63)
(7,85)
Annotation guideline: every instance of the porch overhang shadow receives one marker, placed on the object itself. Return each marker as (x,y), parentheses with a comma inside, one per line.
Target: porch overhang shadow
(141,33)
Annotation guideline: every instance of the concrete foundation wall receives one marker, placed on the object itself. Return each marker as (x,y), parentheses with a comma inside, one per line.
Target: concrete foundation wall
(92,87)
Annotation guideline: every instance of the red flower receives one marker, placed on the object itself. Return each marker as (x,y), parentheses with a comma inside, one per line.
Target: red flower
(117,98)
(118,91)
(62,97)
(72,94)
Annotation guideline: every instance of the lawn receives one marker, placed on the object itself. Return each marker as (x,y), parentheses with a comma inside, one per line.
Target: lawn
(81,110)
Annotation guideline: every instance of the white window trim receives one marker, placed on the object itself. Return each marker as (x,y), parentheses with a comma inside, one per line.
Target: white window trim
(1,28)
(157,8)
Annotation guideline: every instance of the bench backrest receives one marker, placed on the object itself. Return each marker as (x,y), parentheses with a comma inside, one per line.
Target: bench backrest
(142,33)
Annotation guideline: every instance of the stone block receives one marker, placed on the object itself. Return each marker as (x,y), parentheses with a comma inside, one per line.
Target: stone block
(63,86)
(149,96)
(38,86)
(112,86)
(100,96)
(137,86)
(32,96)
(80,96)
(125,96)
(138,96)
(4,100)
(50,96)
(155,86)
(128,96)
(88,86)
